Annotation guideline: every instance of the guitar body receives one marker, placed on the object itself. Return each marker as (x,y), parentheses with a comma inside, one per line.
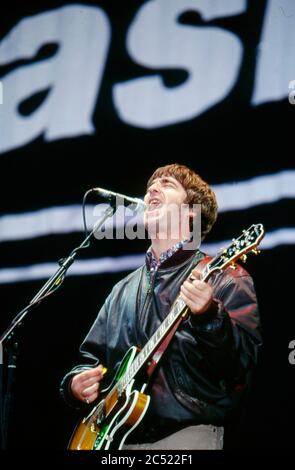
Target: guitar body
(114,417)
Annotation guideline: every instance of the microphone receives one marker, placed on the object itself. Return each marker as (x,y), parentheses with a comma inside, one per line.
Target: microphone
(120,199)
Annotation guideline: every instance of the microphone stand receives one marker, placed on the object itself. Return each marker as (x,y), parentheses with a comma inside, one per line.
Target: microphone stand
(52,284)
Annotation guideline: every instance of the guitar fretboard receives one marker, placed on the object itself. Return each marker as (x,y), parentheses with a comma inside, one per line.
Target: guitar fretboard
(178,309)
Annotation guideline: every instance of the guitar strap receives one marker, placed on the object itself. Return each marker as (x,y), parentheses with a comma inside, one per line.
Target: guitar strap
(152,364)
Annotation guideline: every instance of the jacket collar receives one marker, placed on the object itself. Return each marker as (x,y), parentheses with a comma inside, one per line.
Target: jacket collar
(175,256)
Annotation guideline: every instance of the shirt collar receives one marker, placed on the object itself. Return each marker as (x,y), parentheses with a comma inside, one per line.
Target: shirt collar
(151,261)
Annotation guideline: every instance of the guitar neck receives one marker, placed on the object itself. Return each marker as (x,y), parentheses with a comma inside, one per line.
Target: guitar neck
(179,308)
(246,242)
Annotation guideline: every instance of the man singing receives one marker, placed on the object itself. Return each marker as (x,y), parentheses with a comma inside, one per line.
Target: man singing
(198,384)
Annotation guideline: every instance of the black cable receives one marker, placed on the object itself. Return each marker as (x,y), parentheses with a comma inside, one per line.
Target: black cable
(59,281)
(84,216)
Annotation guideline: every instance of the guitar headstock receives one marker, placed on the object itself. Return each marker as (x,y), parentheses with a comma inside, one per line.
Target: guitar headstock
(247,241)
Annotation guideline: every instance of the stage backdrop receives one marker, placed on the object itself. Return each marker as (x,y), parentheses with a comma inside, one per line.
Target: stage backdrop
(101,93)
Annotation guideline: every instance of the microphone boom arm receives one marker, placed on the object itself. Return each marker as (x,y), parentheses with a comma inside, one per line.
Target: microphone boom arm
(56,279)
(52,284)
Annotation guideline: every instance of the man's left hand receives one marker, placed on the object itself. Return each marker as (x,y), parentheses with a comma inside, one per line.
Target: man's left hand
(198,295)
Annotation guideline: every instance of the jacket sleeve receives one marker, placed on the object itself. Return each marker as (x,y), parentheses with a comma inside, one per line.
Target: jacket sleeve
(92,352)
(229,332)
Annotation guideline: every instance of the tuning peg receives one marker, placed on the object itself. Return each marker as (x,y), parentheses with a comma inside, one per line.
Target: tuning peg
(244,258)
(233,266)
(255,251)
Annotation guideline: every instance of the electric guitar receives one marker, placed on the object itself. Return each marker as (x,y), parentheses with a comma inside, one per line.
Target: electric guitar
(123,404)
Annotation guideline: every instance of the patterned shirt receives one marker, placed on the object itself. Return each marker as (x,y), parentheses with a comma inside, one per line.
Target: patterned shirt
(153,264)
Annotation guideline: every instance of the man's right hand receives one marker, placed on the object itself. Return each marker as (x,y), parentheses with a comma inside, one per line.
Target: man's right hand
(85,385)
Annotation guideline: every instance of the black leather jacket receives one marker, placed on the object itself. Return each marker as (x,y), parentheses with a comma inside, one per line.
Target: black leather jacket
(206,366)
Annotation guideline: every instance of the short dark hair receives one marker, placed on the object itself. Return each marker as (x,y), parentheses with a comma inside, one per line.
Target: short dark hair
(198,192)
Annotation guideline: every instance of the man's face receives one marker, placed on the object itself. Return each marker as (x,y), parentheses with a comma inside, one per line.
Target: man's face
(164,200)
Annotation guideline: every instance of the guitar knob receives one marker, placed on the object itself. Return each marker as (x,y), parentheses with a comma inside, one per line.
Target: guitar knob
(256,252)
(244,258)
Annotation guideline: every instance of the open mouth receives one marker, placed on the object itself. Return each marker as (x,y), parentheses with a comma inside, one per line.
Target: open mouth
(154,204)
